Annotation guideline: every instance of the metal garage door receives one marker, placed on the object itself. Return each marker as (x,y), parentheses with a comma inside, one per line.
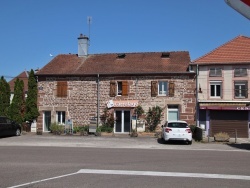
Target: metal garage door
(229,121)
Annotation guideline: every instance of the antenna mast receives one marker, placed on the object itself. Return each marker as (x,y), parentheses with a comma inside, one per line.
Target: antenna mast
(89,21)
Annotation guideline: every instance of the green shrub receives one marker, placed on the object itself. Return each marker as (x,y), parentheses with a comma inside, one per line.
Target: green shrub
(57,129)
(105,128)
(192,127)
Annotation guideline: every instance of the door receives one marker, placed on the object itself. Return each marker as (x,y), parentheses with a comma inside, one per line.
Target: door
(122,123)
(173,113)
(46,120)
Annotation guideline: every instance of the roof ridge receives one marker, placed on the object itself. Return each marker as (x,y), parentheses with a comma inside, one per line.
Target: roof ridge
(224,44)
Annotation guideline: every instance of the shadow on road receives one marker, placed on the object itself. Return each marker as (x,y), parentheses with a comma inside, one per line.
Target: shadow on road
(161,141)
(245,146)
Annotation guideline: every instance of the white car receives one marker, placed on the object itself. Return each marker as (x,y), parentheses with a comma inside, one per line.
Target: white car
(176,130)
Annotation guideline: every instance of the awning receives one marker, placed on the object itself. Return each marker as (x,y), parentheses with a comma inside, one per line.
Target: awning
(224,106)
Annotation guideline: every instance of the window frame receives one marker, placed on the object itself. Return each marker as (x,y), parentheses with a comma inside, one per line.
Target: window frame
(61,117)
(217,72)
(122,88)
(241,93)
(240,72)
(161,87)
(215,84)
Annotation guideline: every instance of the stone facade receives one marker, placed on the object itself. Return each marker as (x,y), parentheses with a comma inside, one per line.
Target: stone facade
(81,102)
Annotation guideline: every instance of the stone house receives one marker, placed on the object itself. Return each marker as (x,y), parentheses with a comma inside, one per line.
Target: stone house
(78,87)
(223,80)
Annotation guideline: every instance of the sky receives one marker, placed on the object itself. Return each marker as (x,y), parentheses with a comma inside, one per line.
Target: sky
(31,30)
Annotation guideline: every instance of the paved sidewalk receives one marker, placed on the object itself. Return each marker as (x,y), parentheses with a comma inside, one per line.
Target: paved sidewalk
(117,141)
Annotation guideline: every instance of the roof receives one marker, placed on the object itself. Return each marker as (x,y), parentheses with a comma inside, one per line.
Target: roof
(127,63)
(236,51)
(24,76)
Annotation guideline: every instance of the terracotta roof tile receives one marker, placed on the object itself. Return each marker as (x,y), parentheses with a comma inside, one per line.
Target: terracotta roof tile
(22,76)
(147,62)
(235,51)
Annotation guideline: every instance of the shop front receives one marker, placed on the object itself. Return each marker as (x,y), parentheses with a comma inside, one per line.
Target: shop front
(225,117)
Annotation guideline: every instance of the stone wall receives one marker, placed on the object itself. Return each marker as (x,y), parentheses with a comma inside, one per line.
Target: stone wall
(81,101)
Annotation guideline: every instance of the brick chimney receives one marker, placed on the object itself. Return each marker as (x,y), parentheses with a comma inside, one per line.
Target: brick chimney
(83,44)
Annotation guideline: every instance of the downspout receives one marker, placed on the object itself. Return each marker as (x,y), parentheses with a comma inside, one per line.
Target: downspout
(197,91)
(98,99)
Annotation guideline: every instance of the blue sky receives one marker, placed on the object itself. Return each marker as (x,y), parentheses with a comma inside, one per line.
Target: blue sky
(31,30)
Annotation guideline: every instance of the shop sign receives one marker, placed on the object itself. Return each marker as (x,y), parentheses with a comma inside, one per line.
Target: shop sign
(122,103)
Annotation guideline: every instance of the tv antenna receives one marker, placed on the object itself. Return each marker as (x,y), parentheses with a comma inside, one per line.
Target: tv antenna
(89,21)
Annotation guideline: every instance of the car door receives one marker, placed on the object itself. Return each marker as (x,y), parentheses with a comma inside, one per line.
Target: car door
(3,126)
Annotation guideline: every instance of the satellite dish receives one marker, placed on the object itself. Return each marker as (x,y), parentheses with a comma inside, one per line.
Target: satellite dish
(241,6)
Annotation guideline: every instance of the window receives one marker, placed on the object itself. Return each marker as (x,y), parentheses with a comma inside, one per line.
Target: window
(215,89)
(62,88)
(215,72)
(118,88)
(60,117)
(122,88)
(173,113)
(162,88)
(240,89)
(240,72)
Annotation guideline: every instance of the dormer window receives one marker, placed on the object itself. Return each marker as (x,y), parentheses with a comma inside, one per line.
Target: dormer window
(121,56)
(215,72)
(165,55)
(240,72)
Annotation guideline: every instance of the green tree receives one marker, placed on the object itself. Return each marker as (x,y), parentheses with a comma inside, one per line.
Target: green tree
(4,96)
(31,111)
(153,117)
(16,109)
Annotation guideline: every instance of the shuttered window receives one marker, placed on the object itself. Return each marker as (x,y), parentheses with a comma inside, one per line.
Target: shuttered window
(124,88)
(171,89)
(112,89)
(240,72)
(154,88)
(215,72)
(62,89)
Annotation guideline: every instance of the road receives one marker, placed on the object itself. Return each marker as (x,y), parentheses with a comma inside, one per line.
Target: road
(57,166)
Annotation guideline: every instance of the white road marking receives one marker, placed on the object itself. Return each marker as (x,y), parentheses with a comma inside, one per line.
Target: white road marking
(166,174)
(142,173)
(39,181)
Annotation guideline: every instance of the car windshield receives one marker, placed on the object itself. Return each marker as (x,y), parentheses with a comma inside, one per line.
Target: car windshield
(177,125)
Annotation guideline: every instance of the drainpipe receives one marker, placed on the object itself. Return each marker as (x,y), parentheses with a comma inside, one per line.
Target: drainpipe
(197,91)
(98,99)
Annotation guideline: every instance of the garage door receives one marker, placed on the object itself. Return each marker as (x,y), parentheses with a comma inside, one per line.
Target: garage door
(229,121)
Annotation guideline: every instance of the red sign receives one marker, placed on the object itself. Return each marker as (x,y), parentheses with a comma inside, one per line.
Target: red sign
(224,108)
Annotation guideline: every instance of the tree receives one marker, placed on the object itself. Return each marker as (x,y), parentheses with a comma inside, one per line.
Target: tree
(4,96)
(17,106)
(31,112)
(153,117)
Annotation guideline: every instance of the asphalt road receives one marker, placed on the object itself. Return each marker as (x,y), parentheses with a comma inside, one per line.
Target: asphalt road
(148,163)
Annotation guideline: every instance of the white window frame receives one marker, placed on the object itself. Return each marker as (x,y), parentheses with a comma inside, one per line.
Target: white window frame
(162,88)
(215,83)
(60,116)
(240,89)
(119,89)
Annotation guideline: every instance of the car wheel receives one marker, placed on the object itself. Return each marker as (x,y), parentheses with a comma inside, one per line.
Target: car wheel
(190,142)
(18,132)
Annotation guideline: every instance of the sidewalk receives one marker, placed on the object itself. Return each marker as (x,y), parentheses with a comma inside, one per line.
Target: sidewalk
(117,141)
